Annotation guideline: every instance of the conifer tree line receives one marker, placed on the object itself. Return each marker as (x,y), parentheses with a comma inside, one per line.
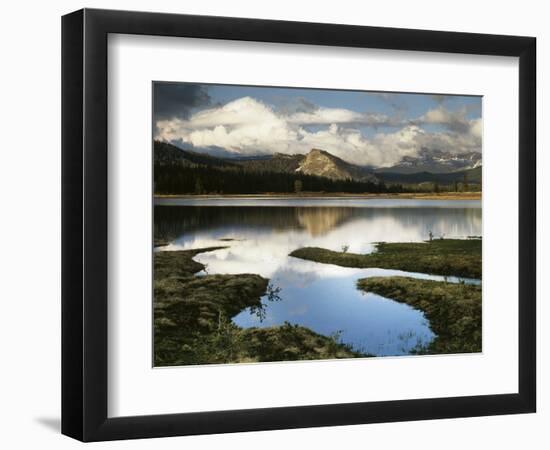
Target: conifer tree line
(181,179)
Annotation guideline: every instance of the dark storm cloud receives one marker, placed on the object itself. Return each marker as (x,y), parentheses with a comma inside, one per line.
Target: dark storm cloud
(176,100)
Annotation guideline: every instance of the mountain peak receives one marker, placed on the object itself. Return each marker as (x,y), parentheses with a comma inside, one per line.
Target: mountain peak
(324,164)
(436,161)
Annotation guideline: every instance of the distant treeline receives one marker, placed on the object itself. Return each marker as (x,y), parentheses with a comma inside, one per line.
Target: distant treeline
(180,179)
(179,171)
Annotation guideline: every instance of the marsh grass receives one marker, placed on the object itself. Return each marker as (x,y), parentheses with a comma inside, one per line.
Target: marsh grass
(192,318)
(453,309)
(452,257)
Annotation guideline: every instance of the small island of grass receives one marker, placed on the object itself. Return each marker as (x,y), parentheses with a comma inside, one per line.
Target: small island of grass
(453,309)
(192,318)
(449,257)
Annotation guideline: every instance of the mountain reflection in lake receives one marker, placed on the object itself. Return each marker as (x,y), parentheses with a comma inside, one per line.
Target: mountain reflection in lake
(322,297)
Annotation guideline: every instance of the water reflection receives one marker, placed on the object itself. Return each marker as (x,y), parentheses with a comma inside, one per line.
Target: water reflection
(319,296)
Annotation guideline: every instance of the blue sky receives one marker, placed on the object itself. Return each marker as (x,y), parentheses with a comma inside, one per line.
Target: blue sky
(375,128)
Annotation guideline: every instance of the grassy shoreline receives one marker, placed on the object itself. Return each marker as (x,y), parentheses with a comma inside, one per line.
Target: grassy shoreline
(320,195)
(192,318)
(448,257)
(192,314)
(453,309)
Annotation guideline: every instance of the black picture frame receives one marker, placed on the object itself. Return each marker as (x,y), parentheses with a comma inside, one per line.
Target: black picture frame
(84,224)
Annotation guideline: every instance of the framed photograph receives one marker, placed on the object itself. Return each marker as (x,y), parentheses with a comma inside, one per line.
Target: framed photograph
(273,224)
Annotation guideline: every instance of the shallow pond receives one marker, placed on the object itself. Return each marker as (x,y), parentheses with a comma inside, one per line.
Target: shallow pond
(260,233)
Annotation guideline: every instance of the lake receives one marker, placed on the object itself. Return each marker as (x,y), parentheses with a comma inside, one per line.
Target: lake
(260,233)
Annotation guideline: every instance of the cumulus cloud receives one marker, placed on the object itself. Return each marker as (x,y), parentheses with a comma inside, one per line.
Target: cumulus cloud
(476,128)
(247,126)
(453,120)
(297,105)
(328,116)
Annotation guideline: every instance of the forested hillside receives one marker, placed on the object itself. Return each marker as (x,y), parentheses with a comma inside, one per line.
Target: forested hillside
(178,171)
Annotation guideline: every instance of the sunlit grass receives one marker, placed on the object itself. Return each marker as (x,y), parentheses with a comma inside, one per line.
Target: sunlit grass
(452,257)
